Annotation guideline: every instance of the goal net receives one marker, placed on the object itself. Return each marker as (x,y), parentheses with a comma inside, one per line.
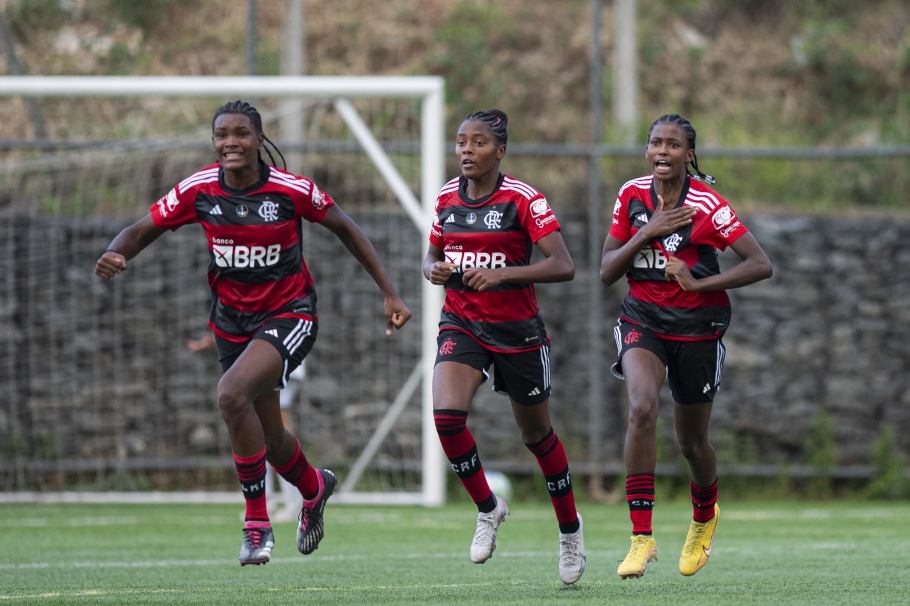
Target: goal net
(100,394)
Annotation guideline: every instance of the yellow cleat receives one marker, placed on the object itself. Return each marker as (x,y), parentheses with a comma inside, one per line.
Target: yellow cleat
(697,549)
(642,553)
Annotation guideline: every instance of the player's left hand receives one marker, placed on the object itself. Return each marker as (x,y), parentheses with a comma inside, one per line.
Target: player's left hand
(676,269)
(481,278)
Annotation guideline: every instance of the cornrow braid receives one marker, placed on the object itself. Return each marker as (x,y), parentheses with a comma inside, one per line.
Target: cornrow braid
(687,128)
(242,107)
(496,120)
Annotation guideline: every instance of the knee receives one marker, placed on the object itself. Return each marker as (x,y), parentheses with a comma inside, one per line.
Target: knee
(231,405)
(692,448)
(643,414)
(533,436)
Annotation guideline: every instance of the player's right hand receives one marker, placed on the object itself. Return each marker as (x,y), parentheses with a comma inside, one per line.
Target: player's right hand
(110,264)
(440,272)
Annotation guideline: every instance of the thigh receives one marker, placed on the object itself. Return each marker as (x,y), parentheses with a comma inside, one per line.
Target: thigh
(695,370)
(291,338)
(257,370)
(524,376)
(642,361)
(644,373)
(461,368)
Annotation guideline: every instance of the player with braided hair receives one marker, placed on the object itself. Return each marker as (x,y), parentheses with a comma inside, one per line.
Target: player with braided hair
(480,250)
(263,304)
(666,230)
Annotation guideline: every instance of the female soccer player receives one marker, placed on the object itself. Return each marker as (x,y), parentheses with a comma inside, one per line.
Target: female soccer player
(667,228)
(264,305)
(480,251)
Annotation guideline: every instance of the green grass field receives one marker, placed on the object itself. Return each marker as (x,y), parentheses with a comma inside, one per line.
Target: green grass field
(789,553)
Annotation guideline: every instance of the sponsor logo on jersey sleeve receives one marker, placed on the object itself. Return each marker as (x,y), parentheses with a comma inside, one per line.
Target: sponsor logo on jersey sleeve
(318,198)
(168,203)
(539,207)
(540,210)
(725,221)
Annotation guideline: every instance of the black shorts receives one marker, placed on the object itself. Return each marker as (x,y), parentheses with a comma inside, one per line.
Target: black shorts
(524,376)
(693,367)
(292,337)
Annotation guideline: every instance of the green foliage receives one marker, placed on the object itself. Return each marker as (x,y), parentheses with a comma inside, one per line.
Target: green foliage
(31,15)
(820,452)
(890,480)
(148,15)
(464,53)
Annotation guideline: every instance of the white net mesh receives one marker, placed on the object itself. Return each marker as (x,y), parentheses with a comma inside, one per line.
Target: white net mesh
(98,389)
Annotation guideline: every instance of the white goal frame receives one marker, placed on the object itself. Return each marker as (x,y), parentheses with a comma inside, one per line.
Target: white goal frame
(430,91)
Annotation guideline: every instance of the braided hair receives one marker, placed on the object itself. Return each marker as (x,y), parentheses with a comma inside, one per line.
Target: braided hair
(242,107)
(496,120)
(687,128)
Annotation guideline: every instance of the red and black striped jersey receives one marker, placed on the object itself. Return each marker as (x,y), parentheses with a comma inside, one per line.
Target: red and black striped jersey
(256,270)
(498,230)
(655,302)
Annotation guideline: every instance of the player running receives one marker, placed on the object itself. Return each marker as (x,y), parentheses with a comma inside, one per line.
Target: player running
(480,250)
(666,230)
(263,304)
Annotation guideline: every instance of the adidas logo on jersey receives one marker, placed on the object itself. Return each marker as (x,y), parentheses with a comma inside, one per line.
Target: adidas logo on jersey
(451,219)
(216,210)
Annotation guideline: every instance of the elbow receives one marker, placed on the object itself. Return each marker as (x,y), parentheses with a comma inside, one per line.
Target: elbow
(767,271)
(569,273)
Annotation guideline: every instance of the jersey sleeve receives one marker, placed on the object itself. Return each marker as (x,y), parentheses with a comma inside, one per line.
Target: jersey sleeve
(312,204)
(620,224)
(175,209)
(538,218)
(724,228)
(436,237)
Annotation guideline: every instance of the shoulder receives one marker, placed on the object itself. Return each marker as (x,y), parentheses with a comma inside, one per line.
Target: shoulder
(703,198)
(639,184)
(209,174)
(450,187)
(519,188)
(284,179)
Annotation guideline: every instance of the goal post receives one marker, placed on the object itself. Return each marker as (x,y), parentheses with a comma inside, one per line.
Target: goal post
(419,207)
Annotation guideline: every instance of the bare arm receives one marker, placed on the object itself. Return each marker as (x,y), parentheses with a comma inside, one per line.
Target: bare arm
(618,256)
(754,266)
(396,312)
(128,243)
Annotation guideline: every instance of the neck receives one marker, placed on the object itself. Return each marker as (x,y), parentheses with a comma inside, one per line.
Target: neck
(478,188)
(669,189)
(243,178)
